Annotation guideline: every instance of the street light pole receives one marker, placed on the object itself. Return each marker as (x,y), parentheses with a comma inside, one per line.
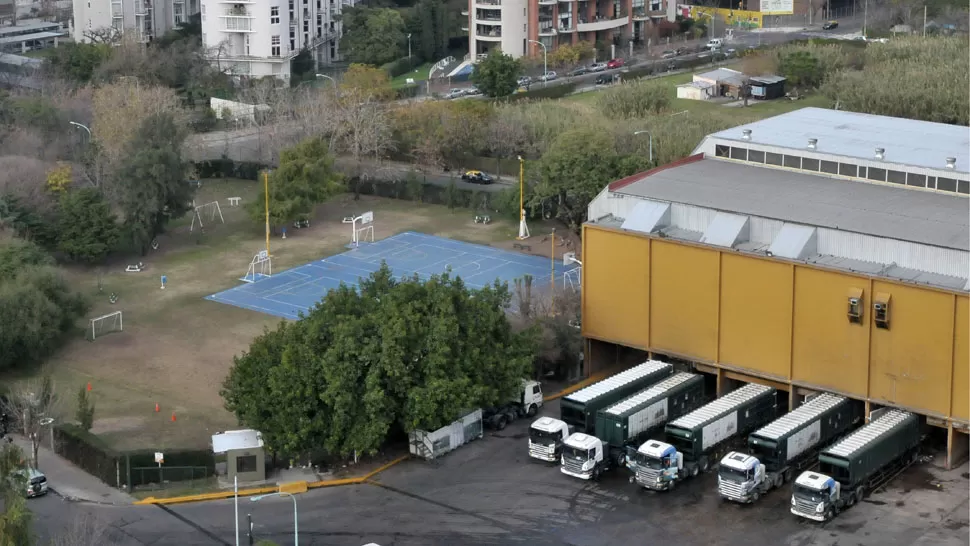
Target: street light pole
(85,127)
(651,142)
(865,17)
(545,65)
(296,519)
(333,81)
(409,51)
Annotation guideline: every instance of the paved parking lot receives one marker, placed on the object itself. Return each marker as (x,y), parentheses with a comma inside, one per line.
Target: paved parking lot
(489,492)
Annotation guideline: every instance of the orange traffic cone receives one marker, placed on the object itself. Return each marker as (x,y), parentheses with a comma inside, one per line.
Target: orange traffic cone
(156,407)
(173,416)
(89,386)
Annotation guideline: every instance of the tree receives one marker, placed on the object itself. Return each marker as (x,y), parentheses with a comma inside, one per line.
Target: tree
(389,355)
(86,230)
(59,178)
(497,75)
(16,518)
(373,35)
(428,25)
(366,82)
(77,62)
(30,405)
(304,179)
(801,69)
(301,67)
(151,184)
(84,413)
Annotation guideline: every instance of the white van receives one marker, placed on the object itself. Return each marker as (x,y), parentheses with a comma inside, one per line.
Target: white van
(714,43)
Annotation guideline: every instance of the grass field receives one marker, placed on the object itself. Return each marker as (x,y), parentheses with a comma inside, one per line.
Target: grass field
(419,74)
(176,348)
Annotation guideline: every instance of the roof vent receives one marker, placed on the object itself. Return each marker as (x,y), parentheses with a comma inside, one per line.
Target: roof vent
(812,143)
(951,163)
(746,134)
(880,153)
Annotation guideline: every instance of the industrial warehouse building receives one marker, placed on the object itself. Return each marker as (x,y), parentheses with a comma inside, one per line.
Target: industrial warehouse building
(817,250)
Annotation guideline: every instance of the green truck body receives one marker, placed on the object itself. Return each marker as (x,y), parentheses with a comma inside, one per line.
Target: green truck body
(579,408)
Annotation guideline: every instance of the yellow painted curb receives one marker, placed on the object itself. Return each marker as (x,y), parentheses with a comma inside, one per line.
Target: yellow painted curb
(573,388)
(385,467)
(210,496)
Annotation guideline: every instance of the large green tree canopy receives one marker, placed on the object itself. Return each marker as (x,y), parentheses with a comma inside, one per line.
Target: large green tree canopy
(390,354)
(373,35)
(497,75)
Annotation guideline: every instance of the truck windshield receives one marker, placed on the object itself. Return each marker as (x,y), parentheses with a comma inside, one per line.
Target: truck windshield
(542,437)
(648,461)
(576,453)
(813,495)
(733,474)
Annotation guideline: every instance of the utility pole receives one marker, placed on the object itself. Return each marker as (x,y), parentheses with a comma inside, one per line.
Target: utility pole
(865,17)
(924,20)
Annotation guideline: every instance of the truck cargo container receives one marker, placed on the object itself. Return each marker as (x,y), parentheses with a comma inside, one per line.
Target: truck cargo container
(855,465)
(546,438)
(695,440)
(786,445)
(579,408)
(628,423)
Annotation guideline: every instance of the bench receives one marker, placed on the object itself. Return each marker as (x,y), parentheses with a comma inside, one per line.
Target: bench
(520,246)
(234,201)
(483,219)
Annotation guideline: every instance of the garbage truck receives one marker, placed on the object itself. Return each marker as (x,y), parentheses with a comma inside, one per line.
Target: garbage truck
(695,440)
(784,446)
(856,464)
(579,408)
(546,438)
(629,422)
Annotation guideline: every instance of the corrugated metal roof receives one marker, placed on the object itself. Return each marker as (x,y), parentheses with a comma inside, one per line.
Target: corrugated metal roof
(720,74)
(726,230)
(867,434)
(236,439)
(614,382)
(803,415)
(767,80)
(850,134)
(883,211)
(657,391)
(722,405)
(647,216)
(795,242)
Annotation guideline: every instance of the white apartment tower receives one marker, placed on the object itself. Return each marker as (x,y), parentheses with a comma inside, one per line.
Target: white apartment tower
(147,19)
(258,38)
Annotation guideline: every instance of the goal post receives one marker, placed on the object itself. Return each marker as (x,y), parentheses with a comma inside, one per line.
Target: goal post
(260,266)
(209,211)
(105,324)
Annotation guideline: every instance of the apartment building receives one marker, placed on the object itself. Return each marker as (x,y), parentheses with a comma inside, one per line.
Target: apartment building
(258,38)
(145,18)
(513,26)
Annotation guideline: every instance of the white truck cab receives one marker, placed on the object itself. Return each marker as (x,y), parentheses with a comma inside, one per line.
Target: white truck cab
(740,477)
(656,465)
(531,397)
(546,438)
(583,456)
(714,43)
(814,496)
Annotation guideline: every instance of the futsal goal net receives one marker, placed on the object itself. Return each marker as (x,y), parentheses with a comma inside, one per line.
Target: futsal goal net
(105,324)
(208,213)
(261,266)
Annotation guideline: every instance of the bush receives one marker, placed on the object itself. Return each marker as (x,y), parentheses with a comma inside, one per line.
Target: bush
(227,168)
(551,92)
(407,92)
(87,452)
(634,100)
(398,67)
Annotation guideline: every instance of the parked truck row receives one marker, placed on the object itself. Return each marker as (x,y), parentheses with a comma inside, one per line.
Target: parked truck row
(663,429)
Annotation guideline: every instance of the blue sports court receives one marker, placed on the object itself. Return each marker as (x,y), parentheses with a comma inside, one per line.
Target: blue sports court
(295,291)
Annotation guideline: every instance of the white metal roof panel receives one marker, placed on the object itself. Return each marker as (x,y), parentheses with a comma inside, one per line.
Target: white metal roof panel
(720,74)
(795,242)
(721,406)
(236,439)
(851,134)
(803,415)
(656,391)
(647,216)
(726,230)
(614,382)
(867,434)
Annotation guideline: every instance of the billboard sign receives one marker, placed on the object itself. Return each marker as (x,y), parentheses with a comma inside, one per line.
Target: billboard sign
(778,7)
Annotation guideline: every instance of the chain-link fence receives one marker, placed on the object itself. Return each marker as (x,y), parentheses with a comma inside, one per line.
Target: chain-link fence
(156,478)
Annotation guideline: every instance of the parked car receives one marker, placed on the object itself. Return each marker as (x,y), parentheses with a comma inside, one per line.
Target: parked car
(548,76)
(477,177)
(614,63)
(669,54)
(730,52)
(681,51)
(473,91)
(714,43)
(524,81)
(829,25)
(606,79)
(36,482)
(455,93)
(579,71)
(597,67)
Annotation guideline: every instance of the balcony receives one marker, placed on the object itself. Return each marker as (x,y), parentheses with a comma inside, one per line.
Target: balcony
(547,30)
(488,34)
(566,26)
(236,23)
(489,4)
(548,2)
(602,23)
(491,21)
(464,12)
(240,2)
(488,16)
(642,14)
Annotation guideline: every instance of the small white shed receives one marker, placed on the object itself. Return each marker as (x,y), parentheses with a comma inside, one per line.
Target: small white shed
(695,91)
(245,457)
(430,445)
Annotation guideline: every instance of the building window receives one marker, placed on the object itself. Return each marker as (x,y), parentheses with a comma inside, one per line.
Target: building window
(830,167)
(877,174)
(756,156)
(946,184)
(963,186)
(739,153)
(306,26)
(918,180)
(246,464)
(773,158)
(721,151)
(274,15)
(275,46)
(846,169)
(896,177)
(809,164)
(793,162)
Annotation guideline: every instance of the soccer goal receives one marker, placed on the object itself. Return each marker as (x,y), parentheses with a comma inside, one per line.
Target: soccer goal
(260,267)
(209,212)
(105,324)
(572,277)
(363,227)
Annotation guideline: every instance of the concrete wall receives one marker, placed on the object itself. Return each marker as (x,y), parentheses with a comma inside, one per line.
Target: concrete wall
(778,320)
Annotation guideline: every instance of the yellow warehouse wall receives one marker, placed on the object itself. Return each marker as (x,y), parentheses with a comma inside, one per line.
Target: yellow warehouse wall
(683,303)
(618,265)
(961,360)
(910,362)
(755,322)
(828,350)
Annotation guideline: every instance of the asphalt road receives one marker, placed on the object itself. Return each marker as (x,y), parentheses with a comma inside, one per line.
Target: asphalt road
(490,493)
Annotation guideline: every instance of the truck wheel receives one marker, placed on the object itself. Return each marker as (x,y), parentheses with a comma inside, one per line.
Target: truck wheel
(671,484)
(531,412)
(778,481)
(829,514)
(500,425)
(596,474)
(705,465)
(860,493)
(693,471)
(755,495)
(786,476)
